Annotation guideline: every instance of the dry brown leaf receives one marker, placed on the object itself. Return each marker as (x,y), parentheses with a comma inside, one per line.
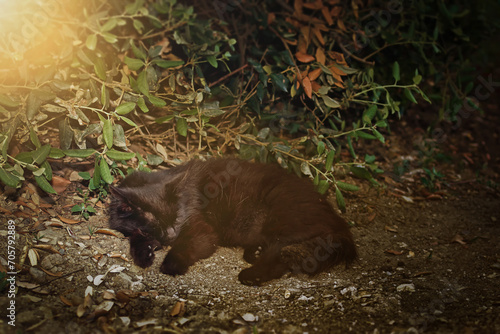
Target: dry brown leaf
(306,83)
(106,231)
(303,57)
(5,211)
(422,273)
(60,184)
(315,86)
(341,25)
(59,274)
(320,56)
(178,309)
(391,228)
(336,70)
(317,32)
(313,75)
(337,57)
(458,238)
(69,220)
(47,248)
(65,300)
(327,15)
(318,4)
(393,252)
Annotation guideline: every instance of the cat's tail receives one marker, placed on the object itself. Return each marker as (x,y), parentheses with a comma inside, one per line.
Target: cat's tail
(320,253)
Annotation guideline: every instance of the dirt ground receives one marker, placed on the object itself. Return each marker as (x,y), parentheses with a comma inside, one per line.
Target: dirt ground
(429,261)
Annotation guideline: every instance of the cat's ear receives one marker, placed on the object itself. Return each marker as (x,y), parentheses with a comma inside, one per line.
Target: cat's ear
(121,201)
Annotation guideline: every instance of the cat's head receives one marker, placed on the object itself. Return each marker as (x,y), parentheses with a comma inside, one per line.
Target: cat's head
(145,209)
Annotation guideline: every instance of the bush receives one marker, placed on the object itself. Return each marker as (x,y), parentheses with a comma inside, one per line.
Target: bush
(292,83)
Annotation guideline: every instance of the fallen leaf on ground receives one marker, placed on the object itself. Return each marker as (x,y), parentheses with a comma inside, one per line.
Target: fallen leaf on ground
(178,309)
(69,220)
(393,252)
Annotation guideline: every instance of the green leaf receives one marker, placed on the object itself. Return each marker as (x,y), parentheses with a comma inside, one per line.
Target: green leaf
(104,96)
(164,119)
(346,186)
(133,64)
(156,101)
(107,133)
(329,102)
(56,153)
(395,71)
(279,81)
(110,24)
(350,147)
(125,108)
(212,61)
(142,83)
(364,135)
(118,155)
(76,208)
(417,79)
(361,172)
(329,160)
(41,154)
(168,63)
(340,199)
(109,37)
(96,178)
(154,160)
(8,102)
(34,138)
(323,186)
(181,126)
(138,26)
(44,184)
(91,42)
(9,179)
(409,95)
(128,121)
(105,172)
(305,169)
(320,148)
(79,153)
(100,68)
(142,105)
(85,175)
(138,51)
(65,134)
(378,135)
(369,113)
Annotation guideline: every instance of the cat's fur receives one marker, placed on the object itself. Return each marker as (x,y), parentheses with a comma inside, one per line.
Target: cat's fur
(279,219)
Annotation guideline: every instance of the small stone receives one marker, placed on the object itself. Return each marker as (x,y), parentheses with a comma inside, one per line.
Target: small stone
(249,317)
(38,275)
(406,288)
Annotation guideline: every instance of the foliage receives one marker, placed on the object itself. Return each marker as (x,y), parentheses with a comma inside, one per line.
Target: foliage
(292,83)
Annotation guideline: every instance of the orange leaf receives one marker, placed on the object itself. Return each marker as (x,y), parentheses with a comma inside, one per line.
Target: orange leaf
(313,5)
(341,25)
(65,300)
(59,274)
(297,5)
(320,56)
(337,71)
(270,18)
(69,220)
(306,83)
(60,184)
(106,231)
(316,31)
(303,57)
(178,309)
(313,75)
(315,86)
(327,16)
(393,252)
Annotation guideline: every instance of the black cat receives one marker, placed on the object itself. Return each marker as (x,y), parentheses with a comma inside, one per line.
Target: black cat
(279,219)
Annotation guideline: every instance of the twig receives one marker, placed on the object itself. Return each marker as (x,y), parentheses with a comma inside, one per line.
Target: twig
(228,75)
(55,279)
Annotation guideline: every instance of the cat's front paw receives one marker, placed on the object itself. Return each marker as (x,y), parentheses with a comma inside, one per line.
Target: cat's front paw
(173,265)
(143,250)
(251,277)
